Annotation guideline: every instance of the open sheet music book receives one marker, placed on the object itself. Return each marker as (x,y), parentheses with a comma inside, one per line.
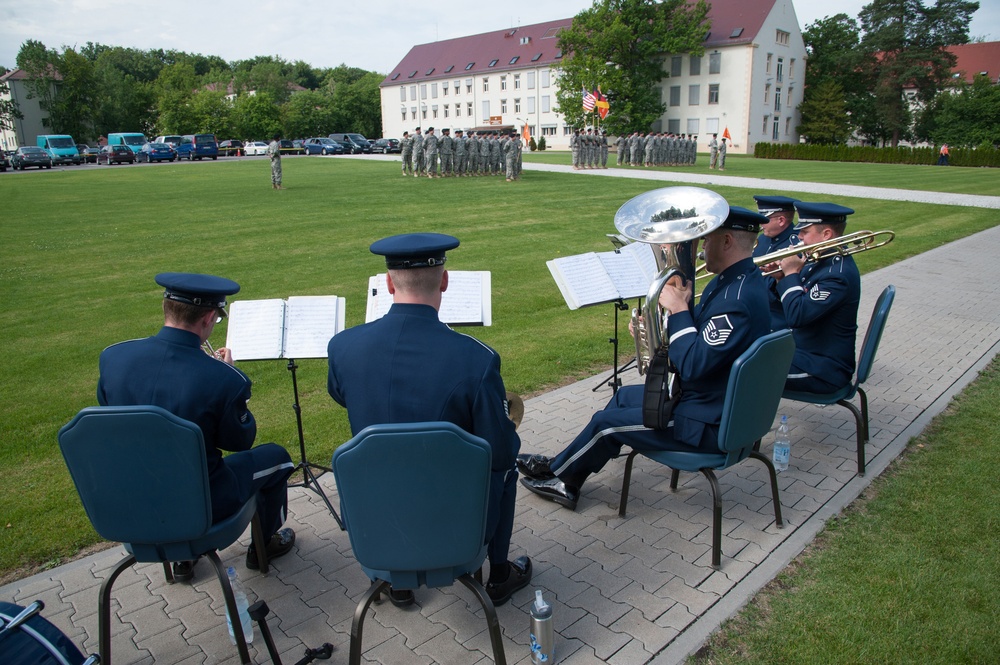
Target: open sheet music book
(467,302)
(599,277)
(300,327)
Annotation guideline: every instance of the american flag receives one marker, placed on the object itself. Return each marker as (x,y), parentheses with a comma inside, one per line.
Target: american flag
(588,100)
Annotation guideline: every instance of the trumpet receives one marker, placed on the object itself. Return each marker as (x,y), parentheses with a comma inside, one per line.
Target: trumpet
(207,348)
(852,243)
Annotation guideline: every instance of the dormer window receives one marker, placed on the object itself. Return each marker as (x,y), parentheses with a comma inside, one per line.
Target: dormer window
(514,59)
(494,61)
(394,76)
(470,66)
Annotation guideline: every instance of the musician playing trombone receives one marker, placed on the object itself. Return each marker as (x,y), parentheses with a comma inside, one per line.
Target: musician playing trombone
(778,233)
(820,302)
(704,341)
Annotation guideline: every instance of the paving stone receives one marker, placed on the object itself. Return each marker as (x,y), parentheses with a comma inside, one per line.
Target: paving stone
(603,641)
(653,635)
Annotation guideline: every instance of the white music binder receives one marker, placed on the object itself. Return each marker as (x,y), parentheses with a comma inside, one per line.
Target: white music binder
(300,327)
(599,277)
(466,302)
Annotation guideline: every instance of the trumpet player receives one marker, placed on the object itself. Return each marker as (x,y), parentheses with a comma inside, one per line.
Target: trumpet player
(820,303)
(171,371)
(704,341)
(778,233)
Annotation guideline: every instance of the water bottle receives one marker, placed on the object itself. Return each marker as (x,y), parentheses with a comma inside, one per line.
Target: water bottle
(540,633)
(241,608)
(782,446)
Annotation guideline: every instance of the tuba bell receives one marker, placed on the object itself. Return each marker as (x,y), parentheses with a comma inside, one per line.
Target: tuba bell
(670,219)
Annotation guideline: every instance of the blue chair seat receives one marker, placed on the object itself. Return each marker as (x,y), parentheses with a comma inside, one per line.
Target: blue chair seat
(751,402)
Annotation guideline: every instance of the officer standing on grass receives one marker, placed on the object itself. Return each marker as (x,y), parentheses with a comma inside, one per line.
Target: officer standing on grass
(274,152)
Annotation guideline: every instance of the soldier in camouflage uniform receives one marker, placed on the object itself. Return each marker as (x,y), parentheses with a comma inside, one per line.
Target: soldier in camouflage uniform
(496,159)
(509,156)
(461,157)
(406,152)
(620,147)
(604,149)
(274,152)
(722,154)
(431,153)
(484,155)
(418,153)
(472,148)
(447,147)
(574,148)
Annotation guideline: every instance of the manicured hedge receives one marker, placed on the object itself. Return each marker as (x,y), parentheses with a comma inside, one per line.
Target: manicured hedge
(981,156)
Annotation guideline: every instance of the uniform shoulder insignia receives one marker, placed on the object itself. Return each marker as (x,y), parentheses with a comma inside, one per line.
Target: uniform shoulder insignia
(717,330)
(816,293)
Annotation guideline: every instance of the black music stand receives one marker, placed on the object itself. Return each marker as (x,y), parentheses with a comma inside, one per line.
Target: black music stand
(620,306)
(308,477)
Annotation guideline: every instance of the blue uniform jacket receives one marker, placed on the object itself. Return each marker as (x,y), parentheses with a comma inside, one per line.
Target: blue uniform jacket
(703,344)
(821,307)
(409,367)
(171,371)
(767,245)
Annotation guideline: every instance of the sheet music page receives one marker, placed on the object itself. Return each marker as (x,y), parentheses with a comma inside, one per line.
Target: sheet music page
(644,255)
(468,300)
(625,272)
(583,280)
(256,328)
(310,322)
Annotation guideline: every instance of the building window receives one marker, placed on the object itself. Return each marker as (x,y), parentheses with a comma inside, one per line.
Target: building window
(531,80)
(675,65)
(774,133)
(458,86)
(458,110)
(446,110)
(763,129)
(493,63)
(444,90)
(434,90)
(413,114)
(423,91)
(468,109)
(780,72)
(486,110)
(694,91)
(694,68)
(503,82)
(777,100)
(781,37)
(486,84)
(767,94)
(404,115)
(567,130)
(434,111)
(767,68)
(448,70)
(531,104)
(517,81)
(788,126)
(675,95)
(788,97)
(546,78)
(711,125)
(470,66)
(546,103)
(713,93)
(548,130)
(402,93)
(423,113)
(513,60)
(791,69)
(413,92)
(674,125)
(468,86)
(503,106)
(714,63)
(693,125)
(517,106)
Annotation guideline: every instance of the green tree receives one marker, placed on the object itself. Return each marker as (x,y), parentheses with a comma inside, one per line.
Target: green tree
(357,105)
(907,41)
(39,63)
(824,114)
(125,99)
(307,114)
(966,118)
(256,116)
(213,113)
(620,45)
(9,112)
(174,90)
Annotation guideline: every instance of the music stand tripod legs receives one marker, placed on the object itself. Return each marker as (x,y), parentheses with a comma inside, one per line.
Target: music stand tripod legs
(615,383)
(308,477)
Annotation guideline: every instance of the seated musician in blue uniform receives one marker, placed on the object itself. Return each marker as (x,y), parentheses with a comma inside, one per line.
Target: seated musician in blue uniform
(170,370)
(820,301)
(409,367)
(703,343)
(777,234)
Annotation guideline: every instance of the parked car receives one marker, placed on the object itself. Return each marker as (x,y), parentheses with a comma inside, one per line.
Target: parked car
(4,162)
(87,154)
(156,152)
(134,140)
(30,155)
(354,144)
(386,146)
(323,146)
(289,148)
(116,154)
(255,148)
(198,146)
(231,148)
(172,140)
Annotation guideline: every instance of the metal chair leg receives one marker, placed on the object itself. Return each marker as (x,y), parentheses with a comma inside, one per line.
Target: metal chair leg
(626,480)
(357,627)
(716,519)
(234,615)
(860,436)
(104,608)
(492,622)
(257,536)
(674,476)
(774,487)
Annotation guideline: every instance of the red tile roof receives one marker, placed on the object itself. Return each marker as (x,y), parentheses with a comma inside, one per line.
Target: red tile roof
(21,75)
(973,59)
(427,62)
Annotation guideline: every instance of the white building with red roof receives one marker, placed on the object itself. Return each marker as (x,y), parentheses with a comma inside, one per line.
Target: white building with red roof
(750,81)
(34,120)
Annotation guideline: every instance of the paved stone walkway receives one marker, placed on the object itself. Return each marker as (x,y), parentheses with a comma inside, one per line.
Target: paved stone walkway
(628,591)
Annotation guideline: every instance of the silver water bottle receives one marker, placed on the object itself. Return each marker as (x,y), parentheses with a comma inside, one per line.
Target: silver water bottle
(541,635)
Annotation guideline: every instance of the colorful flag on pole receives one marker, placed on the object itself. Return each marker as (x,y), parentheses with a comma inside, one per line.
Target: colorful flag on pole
(725,134)
(588,100)
(602,104)
(526,134)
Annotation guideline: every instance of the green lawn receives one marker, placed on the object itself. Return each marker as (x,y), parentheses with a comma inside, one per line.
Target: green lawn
(955,179)
(81,248)
(908,574)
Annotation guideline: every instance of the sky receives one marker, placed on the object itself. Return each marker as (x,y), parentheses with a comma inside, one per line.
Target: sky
(373,35)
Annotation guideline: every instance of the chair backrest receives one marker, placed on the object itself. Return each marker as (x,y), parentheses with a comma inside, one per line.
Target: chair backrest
(414,497)
(756,382)
(874,335)
(141,473)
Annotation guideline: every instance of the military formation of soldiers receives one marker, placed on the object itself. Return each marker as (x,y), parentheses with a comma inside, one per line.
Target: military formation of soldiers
(447,156)
(589,148)
(657,149)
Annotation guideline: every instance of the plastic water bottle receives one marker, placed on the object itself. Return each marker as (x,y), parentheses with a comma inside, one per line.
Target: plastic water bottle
(782,450)
(242,605)
(540,633)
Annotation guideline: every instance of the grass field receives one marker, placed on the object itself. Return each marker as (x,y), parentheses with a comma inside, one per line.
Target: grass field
(958,180)
(81,248)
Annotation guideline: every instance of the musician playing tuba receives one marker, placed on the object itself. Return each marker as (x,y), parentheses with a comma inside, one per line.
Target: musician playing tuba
(820,303)
(704,341)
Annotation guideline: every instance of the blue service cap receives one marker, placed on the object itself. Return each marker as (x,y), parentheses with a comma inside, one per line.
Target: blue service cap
(414,250)
(821,213)
(195,289)
(741,219)
(768,205)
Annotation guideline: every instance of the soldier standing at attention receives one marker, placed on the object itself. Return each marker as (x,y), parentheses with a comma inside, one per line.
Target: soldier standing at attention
(460,154)
(620,148)
(604,149)
(418,153)
(472,148)
(574,147)
(406,152)
(447,146)
(431,154)
(509,156)
(496,159)
(274,152)
(484,155)
(722,154)
(713,151)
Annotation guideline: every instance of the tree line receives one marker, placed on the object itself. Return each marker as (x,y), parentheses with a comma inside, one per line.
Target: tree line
(887,77)
(100,89)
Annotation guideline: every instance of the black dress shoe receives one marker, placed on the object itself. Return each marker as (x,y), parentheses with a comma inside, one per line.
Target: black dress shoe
(279,545)
(518,578)
(554,489)
(534,466)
